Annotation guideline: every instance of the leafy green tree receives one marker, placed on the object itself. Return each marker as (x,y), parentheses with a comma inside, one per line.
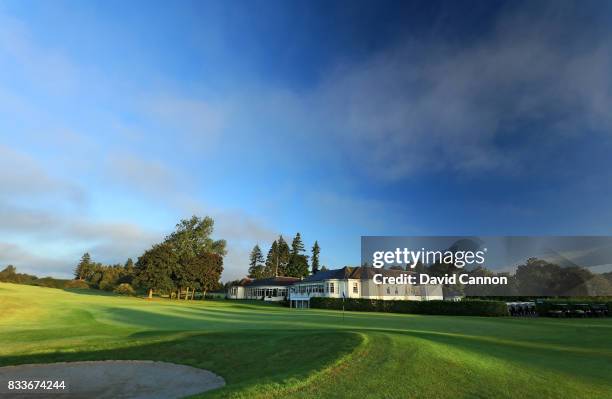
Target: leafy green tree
(111,277)
(192,238)
(129,266)
(154,268)
(127,275)
(314,263)
(96,274)
(256,266)
(84,268)
(207,269)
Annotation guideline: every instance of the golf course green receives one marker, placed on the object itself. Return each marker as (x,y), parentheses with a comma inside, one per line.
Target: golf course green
(269,351)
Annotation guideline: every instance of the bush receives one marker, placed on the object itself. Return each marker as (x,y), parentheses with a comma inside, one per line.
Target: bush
(461,308)
(124,289)
(50,282)
(76,284)
(107,285)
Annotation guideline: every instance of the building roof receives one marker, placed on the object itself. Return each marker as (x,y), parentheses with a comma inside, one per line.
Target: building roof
(357,273)
(334,274)
(347,272)
(243,282)
(279,281)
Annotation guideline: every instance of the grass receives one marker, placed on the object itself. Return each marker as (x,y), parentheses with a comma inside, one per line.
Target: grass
(274,352)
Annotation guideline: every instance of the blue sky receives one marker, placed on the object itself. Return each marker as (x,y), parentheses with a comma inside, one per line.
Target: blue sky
(335,119)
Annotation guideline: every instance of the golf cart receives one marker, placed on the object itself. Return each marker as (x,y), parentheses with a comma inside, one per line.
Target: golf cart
(559,310)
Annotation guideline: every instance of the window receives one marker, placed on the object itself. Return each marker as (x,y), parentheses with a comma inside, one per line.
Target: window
(355,288)
(331,288)
(388,290)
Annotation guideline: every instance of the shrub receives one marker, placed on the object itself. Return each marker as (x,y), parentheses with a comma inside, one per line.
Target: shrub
(107,285)
(76,284)
(124,289)
(50,282)
(461,308)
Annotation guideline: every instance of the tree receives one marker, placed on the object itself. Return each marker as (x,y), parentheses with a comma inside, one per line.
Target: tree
(271,261)
(129,266)
(84,268)
(298,262)
(283,257)
(192,238)
(207,270)
(154,268)
(8,272)
(277,259)
(127,276)
(95,274)
(256,260)
(315,258)
(297,246)
(111,277)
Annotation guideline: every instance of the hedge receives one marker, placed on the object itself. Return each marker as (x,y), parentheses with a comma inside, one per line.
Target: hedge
(460,308)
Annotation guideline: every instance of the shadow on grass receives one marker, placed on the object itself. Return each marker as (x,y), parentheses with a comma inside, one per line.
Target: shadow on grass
(243,359)
(576,361)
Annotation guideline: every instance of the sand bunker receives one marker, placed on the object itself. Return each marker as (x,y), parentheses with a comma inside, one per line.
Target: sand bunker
(132,379)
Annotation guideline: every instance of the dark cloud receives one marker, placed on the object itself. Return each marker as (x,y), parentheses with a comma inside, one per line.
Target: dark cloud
(476,106)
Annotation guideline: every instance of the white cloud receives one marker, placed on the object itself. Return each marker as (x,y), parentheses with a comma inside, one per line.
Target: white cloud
(28,262)
(22,176)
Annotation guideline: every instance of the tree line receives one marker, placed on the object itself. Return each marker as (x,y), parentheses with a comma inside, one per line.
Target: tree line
(283,260)
(535,277)
(104,277)
(186,261)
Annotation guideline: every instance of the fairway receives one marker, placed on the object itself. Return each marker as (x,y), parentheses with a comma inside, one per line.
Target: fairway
(269,351)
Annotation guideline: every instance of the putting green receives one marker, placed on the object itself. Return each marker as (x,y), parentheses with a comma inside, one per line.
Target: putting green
(268,351)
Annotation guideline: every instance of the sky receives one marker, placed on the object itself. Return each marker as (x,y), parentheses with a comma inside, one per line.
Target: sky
(337,119)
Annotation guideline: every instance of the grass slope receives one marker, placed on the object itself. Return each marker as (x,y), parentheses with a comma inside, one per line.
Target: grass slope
(269,351)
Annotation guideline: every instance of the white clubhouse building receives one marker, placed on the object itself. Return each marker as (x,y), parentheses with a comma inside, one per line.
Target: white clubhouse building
(348,282)
(267,289)
(358,282)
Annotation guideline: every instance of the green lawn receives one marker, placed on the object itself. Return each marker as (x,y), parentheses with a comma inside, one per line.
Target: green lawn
(269,351)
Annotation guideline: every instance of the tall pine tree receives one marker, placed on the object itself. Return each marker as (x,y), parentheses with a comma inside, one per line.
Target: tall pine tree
(271,261)
(315,257)
(298,262)
(256,267)
(284,256)
(84,268)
